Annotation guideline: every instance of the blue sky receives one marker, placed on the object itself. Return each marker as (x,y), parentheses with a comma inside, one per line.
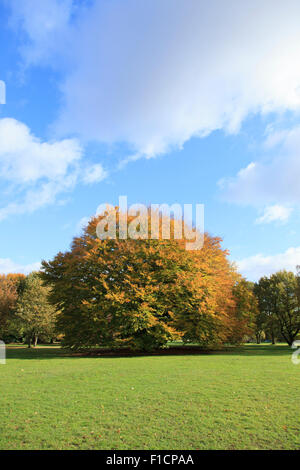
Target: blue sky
(165,102)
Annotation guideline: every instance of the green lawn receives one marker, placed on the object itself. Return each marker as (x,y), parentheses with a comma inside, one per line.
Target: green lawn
(243,399)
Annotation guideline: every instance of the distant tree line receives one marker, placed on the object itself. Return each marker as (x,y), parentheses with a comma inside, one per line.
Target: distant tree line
(278,315)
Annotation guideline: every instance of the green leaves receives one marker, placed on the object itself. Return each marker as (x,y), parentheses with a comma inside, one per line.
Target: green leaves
(278,298)
(34,313)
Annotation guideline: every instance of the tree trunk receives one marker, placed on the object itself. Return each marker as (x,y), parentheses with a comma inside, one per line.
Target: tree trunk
(291,339)
(29,341)
(287,337)
(35,340)
(273,337)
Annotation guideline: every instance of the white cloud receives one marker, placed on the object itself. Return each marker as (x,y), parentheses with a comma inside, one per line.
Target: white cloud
(273,180)
(275,213)
(9,266)
(42,195)
(39,171)
(259,265)
(25,159)
(44,22)
(94,174)
(154,74)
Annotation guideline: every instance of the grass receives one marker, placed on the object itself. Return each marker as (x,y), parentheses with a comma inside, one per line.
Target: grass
(241,399)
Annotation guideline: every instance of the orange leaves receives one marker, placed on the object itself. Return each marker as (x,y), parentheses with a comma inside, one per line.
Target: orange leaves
(140,293)
(9,286)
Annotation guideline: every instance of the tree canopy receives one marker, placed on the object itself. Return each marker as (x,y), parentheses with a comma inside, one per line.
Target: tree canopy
(142,293)
(10,287)
(35,315)
(278,298)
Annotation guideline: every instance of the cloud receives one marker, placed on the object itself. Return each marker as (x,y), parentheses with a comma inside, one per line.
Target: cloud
(26,159)
(94,174)
(42,195)
(44,24)
(37,171)
(154,74)
(9,266)
(259,265)
(275,213)
(273,180)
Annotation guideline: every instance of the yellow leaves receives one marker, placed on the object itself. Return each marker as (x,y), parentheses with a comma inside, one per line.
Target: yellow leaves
(140,293)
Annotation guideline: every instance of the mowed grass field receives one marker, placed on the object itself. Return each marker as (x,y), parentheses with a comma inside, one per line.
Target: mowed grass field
(241,399)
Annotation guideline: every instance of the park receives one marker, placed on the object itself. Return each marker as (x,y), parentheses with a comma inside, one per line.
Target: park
(245,398)
(150,207)
(142,344)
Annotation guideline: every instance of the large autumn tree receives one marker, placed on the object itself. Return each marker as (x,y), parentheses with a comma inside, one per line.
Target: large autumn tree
(140,293)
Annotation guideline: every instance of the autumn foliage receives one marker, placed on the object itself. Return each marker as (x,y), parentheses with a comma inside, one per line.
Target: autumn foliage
(244,313)
(141,293)
(34,315)
(10,287)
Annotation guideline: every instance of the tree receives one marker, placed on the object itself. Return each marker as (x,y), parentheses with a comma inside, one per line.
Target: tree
(286,304)
(266,321)
(279,304)
(260,327)
(206,311)
(245,311)
(140,293)
(34,314)
(10,287)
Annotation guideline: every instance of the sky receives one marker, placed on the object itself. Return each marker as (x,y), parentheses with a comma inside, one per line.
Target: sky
(180,101)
